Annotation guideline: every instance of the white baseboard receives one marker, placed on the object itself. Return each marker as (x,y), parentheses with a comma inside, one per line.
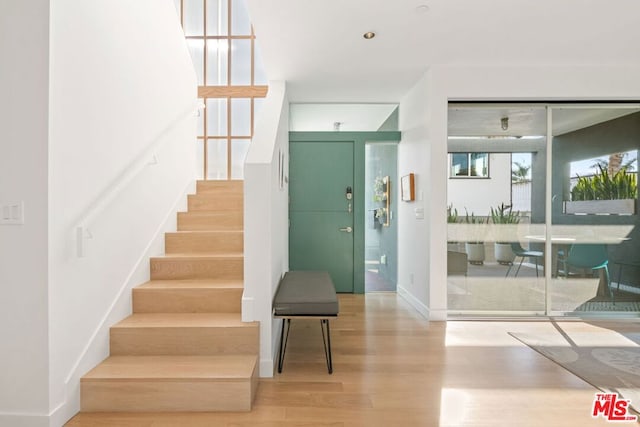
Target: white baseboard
(414,302)
(438,315)
(267,365)
(71,404)
(266,368)
(24,420)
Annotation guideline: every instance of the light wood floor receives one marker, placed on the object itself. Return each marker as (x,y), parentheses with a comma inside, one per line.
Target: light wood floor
(393,368)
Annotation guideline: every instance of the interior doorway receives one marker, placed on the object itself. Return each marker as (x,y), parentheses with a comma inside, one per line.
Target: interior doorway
(321,209)
(317,179)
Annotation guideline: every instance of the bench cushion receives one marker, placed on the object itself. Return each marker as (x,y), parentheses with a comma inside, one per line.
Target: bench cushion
(306,293)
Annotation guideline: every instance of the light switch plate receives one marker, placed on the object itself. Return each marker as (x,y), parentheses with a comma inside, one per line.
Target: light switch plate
(12,213)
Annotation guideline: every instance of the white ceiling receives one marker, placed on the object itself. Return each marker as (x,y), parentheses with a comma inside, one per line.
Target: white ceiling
(485,119)
(352,117)
(318,48)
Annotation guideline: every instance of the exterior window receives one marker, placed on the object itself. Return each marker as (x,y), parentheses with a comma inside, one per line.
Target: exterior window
(231,82)
(469,165)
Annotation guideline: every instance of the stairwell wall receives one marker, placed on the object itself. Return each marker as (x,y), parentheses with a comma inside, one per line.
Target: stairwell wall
(266,219)
(24,85)
(121,80)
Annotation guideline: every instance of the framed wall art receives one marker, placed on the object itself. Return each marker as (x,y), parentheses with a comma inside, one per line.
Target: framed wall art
(408,188)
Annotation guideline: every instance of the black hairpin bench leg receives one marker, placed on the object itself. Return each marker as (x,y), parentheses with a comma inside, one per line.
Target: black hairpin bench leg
(327,344)
(283,343)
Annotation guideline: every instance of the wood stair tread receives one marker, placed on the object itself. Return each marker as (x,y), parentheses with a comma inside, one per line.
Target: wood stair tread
(206,232)
(220,182)
(193,284)
(200,255)
(213,212)
(178,368)
(184,320)
(211,220)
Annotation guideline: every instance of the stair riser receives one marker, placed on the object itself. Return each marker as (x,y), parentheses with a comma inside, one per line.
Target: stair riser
(185,341)
(222,188)
(223,242)
(167,396)
(231,220)
(215,203)
(221,268)
(187,300)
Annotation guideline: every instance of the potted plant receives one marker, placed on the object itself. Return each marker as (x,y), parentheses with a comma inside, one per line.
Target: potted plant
(452,218)
(604,193)
(475,246)
(504,215)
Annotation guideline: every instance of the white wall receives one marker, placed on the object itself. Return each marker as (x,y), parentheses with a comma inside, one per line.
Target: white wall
(423,121)
(413,155)
(121,81)
(266,225)
(478,196)
(24,85)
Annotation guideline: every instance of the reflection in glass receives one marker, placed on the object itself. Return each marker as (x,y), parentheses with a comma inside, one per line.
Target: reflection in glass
(469,165)
(459,164)
(381,199)
(479,163)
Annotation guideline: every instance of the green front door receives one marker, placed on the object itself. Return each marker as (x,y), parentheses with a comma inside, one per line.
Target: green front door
(321,215)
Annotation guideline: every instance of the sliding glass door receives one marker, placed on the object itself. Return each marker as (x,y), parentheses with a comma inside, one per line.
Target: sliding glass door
(520,239)
(595,238)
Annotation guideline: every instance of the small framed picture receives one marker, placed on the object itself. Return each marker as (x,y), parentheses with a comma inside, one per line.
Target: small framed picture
(407,188)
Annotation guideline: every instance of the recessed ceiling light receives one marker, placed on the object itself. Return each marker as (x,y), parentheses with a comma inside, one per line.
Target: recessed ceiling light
(369,35)
(423,8)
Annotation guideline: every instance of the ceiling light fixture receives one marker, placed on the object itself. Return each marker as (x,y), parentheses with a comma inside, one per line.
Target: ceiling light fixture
(423,8)
(369,35)
(336,126)
(504,123)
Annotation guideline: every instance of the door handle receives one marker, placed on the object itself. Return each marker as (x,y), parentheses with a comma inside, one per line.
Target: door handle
(347,229)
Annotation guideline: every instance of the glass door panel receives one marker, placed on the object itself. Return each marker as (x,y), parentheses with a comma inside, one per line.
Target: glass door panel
(595,234)
(496,217)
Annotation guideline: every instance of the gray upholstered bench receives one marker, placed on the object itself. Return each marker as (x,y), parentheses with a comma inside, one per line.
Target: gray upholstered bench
(309,295)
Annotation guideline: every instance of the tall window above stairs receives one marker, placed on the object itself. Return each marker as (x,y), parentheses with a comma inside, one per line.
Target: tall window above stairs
(231,82)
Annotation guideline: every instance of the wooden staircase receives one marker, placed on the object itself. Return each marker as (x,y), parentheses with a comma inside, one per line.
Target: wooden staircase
(185,348)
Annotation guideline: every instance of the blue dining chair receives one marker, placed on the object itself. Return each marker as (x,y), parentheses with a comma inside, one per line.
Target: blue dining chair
(519,251)
(589,257)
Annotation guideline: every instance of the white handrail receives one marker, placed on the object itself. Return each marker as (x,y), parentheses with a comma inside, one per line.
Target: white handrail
(147,157)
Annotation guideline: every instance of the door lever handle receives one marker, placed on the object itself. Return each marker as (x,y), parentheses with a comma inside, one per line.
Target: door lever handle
(347,229)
